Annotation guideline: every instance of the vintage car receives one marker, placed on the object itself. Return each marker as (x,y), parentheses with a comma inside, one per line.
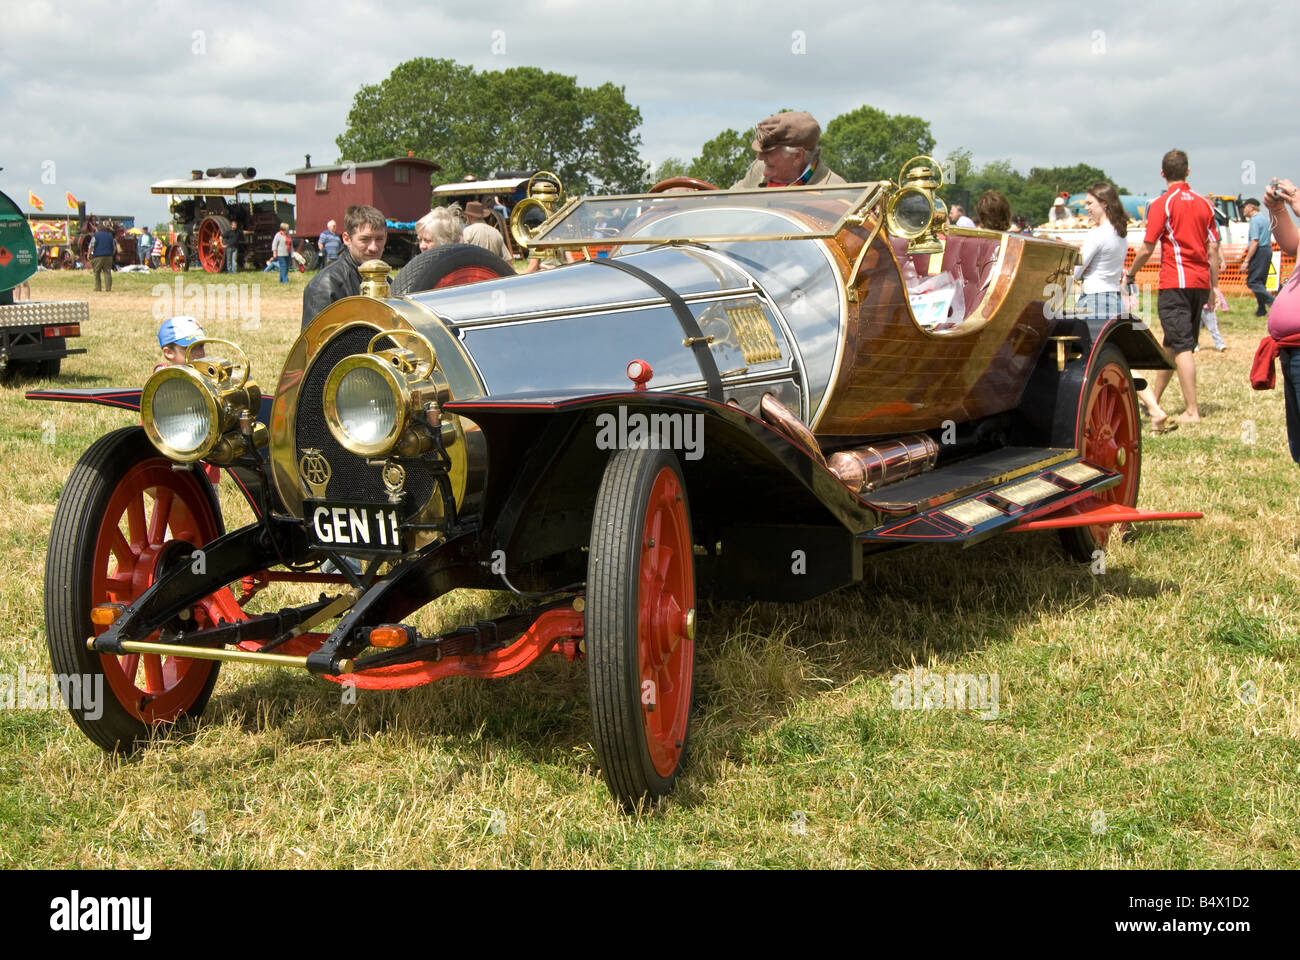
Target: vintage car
(755,391)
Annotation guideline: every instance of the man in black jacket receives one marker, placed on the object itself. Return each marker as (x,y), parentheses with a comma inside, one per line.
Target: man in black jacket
(364,234)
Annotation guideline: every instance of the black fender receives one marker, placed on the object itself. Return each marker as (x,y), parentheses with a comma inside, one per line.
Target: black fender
(1049,408)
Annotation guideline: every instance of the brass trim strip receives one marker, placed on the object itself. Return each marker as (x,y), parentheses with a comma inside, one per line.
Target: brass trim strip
(485,321)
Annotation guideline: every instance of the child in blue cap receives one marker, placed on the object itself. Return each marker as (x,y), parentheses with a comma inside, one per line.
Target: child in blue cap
(175,334)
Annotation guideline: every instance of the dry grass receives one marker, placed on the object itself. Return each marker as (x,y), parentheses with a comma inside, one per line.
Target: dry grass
(1125,737)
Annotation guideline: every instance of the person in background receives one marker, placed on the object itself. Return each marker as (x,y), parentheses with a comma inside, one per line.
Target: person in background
(1259,254)
(102,247)
(231,237)
(957,216)
(144,247)
(280,251)
(330,244)
(500,208)
(994,211)
(1102,256)
(365,234)
(481,234)
(156,255)
(1059,211)
(1283,339)
(788,154)
(1182,222)
(437,228)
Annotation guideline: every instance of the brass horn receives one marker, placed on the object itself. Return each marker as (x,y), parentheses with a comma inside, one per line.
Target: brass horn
(545,195)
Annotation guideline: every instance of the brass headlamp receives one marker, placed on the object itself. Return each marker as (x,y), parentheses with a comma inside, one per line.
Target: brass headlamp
(204,408)
(915,211)
(388,401)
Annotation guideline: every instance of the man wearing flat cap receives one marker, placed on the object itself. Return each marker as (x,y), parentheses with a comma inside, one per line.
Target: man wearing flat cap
(788,155)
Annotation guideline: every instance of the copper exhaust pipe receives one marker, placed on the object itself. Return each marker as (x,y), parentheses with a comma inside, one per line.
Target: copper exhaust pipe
(866,468)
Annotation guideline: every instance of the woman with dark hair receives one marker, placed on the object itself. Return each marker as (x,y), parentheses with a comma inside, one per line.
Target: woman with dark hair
(994,211)
(1103,253)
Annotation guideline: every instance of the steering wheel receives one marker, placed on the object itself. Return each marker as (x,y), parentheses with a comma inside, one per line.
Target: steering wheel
(681,183)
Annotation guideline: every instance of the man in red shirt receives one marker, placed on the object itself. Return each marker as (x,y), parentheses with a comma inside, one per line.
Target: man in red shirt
(1183,222)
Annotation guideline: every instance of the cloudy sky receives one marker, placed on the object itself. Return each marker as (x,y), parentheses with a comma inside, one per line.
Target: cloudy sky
(104,99)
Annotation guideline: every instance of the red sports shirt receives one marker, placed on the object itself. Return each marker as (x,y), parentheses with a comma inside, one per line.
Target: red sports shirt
(1183,222)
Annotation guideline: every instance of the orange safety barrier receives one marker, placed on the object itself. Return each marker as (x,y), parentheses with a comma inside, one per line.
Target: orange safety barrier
(1231,279)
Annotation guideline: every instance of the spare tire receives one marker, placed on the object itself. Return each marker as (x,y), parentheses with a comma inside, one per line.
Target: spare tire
(449,266)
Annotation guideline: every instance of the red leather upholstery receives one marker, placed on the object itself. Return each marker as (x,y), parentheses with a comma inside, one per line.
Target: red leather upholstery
(971,259)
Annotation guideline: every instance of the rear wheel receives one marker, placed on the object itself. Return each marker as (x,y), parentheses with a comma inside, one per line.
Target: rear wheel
(449,266)
(1109,435)
(123,518)
(640,624)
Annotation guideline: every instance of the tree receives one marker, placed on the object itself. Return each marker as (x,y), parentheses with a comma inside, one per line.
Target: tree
(671,167)
(521,118)
(1029,196)
(724,159)
(869,144)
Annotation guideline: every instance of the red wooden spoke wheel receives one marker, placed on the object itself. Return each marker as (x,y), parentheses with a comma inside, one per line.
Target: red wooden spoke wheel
(212,250)
(177,257)
(1110,436)
(640,624)
(124,517)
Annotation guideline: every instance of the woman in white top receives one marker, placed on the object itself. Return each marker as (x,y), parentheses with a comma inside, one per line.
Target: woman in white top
(1104,250)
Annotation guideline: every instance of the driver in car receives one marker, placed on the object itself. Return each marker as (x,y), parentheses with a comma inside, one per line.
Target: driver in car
(788,155)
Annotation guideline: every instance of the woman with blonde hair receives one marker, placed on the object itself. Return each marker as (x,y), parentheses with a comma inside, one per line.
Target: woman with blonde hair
(437,228)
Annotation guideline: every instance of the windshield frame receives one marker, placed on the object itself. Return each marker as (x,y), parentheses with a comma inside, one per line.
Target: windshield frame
(868,196)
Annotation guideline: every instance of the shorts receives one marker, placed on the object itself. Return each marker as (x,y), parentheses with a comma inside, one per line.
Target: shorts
(1180,317)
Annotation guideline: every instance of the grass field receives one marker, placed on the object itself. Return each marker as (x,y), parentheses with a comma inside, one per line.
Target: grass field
(1148,715)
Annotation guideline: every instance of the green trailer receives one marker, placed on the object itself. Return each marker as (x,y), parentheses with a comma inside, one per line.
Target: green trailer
(33,334)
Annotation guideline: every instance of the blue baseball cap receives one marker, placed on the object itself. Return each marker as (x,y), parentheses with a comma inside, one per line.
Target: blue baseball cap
(181,331)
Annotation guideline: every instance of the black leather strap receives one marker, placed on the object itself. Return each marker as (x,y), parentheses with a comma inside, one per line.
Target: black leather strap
(691,329)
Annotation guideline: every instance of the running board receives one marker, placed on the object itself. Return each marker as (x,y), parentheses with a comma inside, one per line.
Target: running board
(1002,504)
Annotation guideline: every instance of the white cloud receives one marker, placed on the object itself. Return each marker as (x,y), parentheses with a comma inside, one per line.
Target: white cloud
(276,81)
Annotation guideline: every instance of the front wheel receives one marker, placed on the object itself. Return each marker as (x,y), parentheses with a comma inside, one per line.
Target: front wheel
(124,518)
(1108,434)
(640,624)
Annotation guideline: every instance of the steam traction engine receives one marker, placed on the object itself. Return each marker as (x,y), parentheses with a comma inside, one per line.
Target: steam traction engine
(209,202)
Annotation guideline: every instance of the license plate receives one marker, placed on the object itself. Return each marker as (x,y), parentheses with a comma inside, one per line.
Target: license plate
(353,527)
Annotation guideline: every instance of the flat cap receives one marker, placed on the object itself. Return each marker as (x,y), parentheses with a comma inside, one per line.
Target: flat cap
(791,129)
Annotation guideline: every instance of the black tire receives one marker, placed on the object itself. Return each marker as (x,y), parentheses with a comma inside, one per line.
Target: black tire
(449,265)
(69,586)
(1109,380)
(639,486)
(48,369)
